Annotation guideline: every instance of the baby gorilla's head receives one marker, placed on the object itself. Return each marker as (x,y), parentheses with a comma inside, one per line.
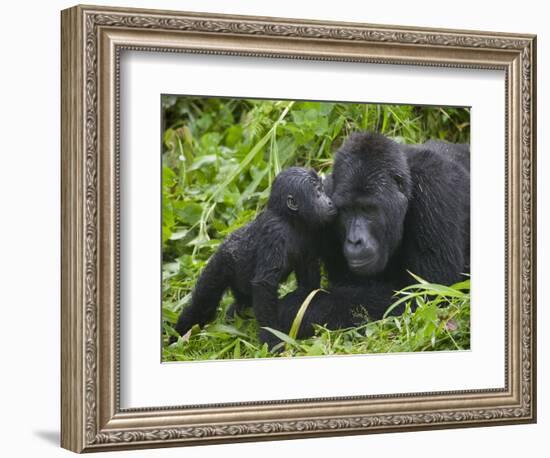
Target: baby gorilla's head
(298,193)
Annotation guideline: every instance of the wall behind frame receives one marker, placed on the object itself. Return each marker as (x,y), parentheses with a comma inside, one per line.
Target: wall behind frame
(29,233)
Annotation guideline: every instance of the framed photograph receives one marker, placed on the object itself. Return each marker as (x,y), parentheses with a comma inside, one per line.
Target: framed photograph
(228,167)
(278,228)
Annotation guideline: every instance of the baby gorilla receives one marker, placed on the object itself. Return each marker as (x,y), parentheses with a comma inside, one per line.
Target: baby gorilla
(255,259)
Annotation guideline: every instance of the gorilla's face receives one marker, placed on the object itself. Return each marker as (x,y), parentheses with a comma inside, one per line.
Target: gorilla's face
(321,209)
(370,229)
(361,230)
(370,188)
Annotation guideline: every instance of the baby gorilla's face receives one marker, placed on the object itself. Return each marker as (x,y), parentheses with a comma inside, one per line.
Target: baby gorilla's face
(298,193)
(318,208)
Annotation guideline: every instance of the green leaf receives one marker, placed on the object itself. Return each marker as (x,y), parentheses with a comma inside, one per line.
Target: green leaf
(224,350)
(203,161)
(417,278)
(166,234)
(233,135)
(463,285)
(178,234)
(226,329)
(281,335)
(188,212)
(168,177)
(434,288)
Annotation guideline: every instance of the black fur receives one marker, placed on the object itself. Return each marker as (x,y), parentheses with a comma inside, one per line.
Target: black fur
(399,208)
(256,258)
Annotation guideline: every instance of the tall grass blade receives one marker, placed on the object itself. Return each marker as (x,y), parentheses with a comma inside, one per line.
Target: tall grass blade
(301,312)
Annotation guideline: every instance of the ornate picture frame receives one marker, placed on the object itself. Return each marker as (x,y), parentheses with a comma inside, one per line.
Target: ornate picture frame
(92,41)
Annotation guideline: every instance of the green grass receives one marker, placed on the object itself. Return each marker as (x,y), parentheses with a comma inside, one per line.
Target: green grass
(440,321)
(220,157)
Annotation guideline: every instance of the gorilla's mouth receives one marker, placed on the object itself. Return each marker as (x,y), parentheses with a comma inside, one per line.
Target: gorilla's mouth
(359,263)
(361,266)
(331,214)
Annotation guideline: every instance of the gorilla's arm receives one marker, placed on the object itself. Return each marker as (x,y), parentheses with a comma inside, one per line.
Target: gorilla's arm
(271,268)
(308,273)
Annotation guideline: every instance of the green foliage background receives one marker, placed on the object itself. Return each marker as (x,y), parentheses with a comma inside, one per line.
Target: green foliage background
(220,156)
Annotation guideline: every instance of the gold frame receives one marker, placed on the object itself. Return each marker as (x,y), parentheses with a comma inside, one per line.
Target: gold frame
(92,39)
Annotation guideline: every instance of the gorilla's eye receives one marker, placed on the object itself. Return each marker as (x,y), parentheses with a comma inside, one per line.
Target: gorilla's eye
(371,208)
(400,181)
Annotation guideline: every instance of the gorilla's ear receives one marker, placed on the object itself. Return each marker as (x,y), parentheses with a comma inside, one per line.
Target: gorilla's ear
(291,203)
(328,185)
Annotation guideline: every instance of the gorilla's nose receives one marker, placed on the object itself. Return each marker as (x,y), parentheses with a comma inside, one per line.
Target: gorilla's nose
(355,241)
(359,249)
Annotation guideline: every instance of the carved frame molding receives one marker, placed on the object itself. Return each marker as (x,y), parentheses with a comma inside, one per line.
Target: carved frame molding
(92,39)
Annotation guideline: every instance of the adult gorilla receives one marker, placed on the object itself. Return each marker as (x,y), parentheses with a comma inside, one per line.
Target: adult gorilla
(400,208)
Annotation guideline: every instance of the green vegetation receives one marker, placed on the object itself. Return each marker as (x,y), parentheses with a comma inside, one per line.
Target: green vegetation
(220,157)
